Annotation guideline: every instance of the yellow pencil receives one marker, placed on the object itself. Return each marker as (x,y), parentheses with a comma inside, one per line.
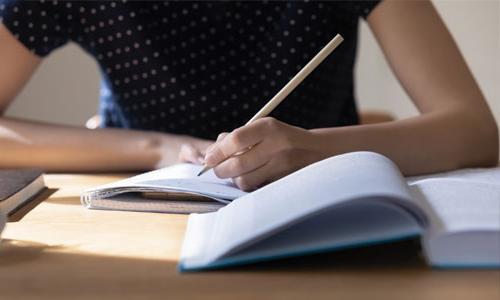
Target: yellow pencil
(293,83)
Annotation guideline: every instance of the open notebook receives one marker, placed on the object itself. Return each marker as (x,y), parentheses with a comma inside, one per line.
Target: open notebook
(175,189)
(353,200)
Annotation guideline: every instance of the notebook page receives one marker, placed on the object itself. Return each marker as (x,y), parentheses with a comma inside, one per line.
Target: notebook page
(342,178)
(181,178)
(177,171)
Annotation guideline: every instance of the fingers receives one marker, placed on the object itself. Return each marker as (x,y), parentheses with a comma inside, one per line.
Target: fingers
(202,146)
(221,136)
(241,139)
(190,154)
(243,163)
(259,177)
(232,143)
(279,166)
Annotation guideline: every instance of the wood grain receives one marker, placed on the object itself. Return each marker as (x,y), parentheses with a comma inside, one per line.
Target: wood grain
(61,250)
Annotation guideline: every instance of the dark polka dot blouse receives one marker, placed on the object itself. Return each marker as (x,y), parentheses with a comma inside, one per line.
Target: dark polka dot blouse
(201,68)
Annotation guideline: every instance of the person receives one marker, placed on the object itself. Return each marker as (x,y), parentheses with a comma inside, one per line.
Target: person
(176,74)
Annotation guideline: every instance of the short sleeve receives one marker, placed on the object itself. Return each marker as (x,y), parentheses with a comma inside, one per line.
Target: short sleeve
(36,24)
(364,8)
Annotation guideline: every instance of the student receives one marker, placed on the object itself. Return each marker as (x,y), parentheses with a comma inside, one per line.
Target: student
(180,73)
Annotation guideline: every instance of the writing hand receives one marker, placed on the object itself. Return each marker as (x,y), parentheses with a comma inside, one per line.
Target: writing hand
(261,152)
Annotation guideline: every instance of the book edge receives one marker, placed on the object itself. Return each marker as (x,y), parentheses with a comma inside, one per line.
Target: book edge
(331,248)
(28,193)
(34,175)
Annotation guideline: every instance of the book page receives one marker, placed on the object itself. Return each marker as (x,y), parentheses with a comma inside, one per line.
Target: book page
(460,205)
(465,222)
(486,175)
(343,178)
(443,195)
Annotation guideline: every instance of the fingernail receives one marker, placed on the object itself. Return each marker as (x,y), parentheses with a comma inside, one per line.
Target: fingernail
(201,160)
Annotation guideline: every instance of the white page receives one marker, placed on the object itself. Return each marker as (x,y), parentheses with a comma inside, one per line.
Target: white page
(335,228)
(177,171)
(465,227)
(486,175)
(181,177)
(459,204)
(339,179)
(437,191)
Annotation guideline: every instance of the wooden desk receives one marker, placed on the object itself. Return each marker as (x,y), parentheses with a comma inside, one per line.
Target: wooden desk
(62,250)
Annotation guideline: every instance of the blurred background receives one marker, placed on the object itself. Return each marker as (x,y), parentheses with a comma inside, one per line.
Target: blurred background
(65,88)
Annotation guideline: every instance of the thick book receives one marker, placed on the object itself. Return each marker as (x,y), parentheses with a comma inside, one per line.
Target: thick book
(175,189)
(353,200)
(18,187)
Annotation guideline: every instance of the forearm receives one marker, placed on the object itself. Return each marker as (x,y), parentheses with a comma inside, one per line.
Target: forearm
(432,142)
(66,148)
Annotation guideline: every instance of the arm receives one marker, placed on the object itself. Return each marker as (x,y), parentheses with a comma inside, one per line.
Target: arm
(67,148)
(455,129)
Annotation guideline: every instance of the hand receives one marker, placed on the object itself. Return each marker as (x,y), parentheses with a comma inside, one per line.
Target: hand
(261,152)
(194,151)
(175,148)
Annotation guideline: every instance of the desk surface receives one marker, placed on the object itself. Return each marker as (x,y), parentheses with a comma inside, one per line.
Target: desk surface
(62,250)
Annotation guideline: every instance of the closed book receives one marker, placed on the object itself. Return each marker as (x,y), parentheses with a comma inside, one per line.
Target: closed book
(18,187)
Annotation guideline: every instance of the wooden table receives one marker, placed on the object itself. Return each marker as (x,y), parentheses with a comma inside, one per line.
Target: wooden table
(62,250)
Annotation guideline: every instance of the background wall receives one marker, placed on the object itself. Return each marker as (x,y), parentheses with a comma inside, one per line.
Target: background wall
(65,89)
(475,26)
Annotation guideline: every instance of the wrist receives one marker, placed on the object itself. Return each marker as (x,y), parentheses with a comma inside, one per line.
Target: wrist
(313,144)
(319,143)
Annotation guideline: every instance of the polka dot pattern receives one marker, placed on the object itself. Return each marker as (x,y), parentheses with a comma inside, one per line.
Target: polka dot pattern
(200,68)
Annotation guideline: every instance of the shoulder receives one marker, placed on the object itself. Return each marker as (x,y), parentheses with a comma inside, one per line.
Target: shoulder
(360,8)
(38,25)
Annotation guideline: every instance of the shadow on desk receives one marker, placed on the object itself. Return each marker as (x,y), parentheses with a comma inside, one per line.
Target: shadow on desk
(36,271)
(13,252)
(396,255)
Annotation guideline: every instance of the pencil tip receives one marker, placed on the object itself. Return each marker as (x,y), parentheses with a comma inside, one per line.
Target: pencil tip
(205,168)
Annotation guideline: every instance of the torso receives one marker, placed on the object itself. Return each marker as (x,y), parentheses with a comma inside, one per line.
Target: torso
(201,68)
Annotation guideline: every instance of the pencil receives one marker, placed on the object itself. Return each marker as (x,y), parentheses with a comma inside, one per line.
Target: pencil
(293,83)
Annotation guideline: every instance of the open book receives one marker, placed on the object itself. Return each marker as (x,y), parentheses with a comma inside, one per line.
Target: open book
(175,189)
(352,200)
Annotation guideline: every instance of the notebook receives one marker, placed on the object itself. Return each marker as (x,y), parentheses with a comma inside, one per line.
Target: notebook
(174,189)
(353,200)
(18,187)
